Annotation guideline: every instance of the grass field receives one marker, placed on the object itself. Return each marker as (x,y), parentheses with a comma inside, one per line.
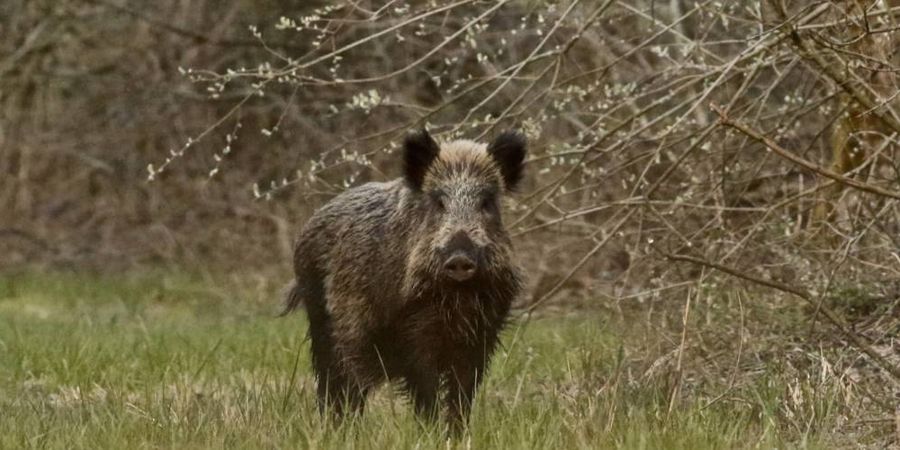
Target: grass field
(171,361)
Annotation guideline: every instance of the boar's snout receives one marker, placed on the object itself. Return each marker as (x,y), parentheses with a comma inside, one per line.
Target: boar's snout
(462,256)
(459,267)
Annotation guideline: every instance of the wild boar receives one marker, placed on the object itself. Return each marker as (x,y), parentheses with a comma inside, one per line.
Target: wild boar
(412,280)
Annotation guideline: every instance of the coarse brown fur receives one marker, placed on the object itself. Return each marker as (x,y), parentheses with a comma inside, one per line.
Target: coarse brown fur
(371,270)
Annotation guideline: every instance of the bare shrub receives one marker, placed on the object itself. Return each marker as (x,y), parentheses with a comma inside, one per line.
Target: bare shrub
(631,163)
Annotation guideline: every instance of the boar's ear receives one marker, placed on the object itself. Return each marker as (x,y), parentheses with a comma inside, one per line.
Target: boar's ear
(508,150)
(419,151)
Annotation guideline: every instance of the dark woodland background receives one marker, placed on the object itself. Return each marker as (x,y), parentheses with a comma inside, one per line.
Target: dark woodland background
(629,169)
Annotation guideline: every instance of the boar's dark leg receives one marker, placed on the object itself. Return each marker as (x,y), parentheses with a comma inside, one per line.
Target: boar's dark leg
(462,382)
(335,393)
(464,376)
(423,389)
(342,397)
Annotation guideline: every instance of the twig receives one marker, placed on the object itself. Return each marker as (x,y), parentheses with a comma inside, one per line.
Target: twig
(780,151)
(532,307)
(186,33)
(827,312)
(679,372)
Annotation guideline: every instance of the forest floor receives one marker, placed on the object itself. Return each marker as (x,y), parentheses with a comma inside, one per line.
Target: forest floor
(163,360)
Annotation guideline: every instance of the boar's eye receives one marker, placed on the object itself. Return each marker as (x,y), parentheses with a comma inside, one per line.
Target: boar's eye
(488,204)
(438,199)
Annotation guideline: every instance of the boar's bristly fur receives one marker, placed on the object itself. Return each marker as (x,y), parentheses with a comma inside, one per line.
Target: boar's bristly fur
(412,280)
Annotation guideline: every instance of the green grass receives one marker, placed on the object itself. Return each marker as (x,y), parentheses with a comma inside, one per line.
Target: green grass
(167,361)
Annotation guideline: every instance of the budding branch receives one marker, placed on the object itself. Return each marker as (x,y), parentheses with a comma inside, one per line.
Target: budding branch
(782,152)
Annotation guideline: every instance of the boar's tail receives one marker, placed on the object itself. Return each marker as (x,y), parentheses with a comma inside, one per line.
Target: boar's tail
(292,299)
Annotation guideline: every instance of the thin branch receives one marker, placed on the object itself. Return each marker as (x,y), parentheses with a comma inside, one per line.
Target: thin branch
(780,151)
(827,312)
